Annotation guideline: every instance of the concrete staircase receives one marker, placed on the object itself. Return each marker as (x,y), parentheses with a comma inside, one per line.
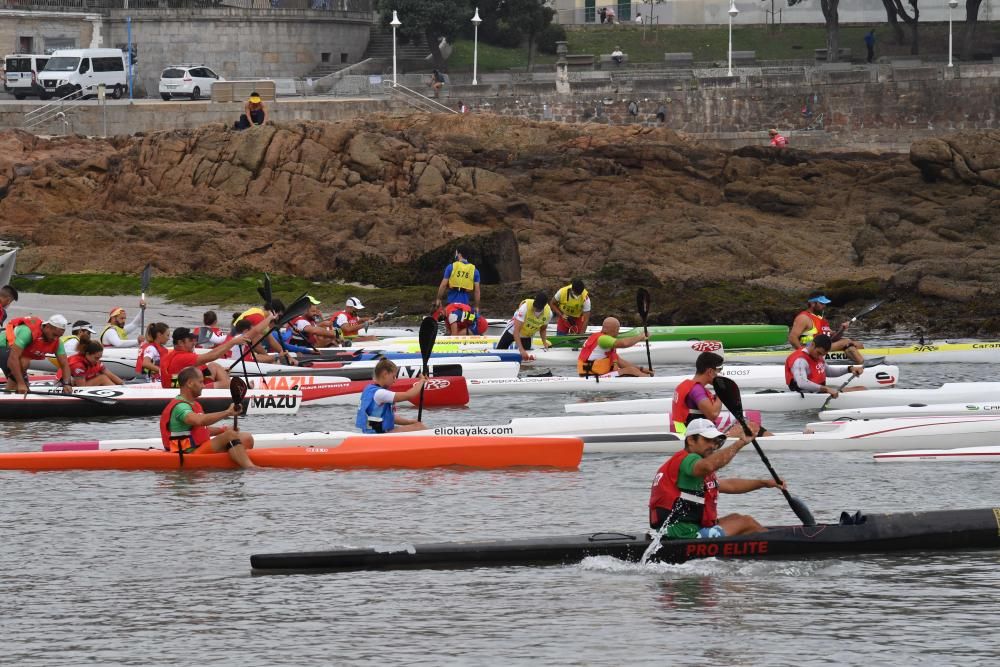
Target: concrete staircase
(380,46)
(324,69)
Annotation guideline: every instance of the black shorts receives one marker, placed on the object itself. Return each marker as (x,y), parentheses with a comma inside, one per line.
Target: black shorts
(4,355)
(506,341)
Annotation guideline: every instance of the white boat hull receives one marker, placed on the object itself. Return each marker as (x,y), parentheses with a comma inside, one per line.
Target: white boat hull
(915,410)
(960,454)
(932,353)
(881,434)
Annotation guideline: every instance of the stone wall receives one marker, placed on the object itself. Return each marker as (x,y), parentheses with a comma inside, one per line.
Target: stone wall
(48,30)
(237,43)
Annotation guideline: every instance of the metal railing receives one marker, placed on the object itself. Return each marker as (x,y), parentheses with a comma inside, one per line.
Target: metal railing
(414,99)
(347,9)
(55,110)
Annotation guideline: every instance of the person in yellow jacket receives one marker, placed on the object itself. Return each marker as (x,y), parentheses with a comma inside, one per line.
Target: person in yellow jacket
(571,304)
(532,317)
(461,281)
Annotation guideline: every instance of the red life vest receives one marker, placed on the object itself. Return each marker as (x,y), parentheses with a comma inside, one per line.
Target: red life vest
(310,338)
(3,315)
(465,318)
(197,435)
(38,347)
(589,346)
(351,319)
(168,375)
(142,349)
(819,326)
(79,361)
(665,495)
(817,369)
(680,413)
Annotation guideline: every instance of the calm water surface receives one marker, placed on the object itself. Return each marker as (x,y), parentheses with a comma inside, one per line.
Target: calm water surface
(134,568)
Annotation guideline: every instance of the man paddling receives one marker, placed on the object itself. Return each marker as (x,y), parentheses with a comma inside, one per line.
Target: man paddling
(119,334)
(377,410)
(599,355)
(30,339)
(531,317)
(349,321)
(683,502)
(806,370)
(461,320)
(810,322)
(571,304)
(692,400)
(86,369)
(185,425)
(8,295)
(183,355)
(461,281)
(311,328)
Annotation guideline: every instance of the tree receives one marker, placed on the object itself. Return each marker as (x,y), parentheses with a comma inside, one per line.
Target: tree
(969,31)
(832,17)
(432,19)
(912,21)
(890,15)
(527,17)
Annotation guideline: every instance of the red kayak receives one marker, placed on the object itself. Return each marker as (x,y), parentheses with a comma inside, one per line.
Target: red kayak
(438,392)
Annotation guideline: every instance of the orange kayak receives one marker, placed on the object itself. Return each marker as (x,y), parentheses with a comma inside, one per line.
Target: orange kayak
(358,452)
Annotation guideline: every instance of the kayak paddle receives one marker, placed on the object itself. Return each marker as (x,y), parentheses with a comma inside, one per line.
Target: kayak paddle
(642,304)
(238,390)
(840,334)
(298,307)
(729,393)
(147,276)
(839,389)
(100,400)
(264,289)
(428,334)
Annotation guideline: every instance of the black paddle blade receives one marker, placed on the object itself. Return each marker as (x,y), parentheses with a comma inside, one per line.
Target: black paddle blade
(298,307)
(801,511)
(268,295)
(729,393)
(237,389)
(147,277)
(642,303)
(428,334)
(869,309)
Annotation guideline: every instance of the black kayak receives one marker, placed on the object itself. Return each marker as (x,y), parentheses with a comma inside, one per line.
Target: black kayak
(855,535)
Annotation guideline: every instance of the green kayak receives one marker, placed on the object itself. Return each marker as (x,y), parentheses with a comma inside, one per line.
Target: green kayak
(731,336)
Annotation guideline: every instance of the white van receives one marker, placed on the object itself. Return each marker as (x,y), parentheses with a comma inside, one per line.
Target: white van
(21,78)
(80,70)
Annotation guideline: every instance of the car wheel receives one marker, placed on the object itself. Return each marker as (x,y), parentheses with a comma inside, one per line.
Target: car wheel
(165,96)
(196,93)
(44,96)
(116,92)
(18,96)
(78,93)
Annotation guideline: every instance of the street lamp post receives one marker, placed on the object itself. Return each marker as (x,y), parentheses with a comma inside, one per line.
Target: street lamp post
(395,23)
(951,6)
(733,12)
(475,48)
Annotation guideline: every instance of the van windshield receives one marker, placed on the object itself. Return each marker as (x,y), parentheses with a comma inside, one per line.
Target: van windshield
(62,64)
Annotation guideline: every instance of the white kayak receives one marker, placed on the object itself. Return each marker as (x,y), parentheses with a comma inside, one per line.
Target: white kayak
(937,353)
(882,434)
(915,410)
(959,454)
(756,377)
(362,370)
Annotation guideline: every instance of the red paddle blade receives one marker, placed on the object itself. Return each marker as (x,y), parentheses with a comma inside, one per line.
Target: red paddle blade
(237,389)
(442,392)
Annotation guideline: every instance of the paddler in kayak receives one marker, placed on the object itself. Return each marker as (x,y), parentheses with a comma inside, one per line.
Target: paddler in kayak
(183,355)
(377,410)
(310,327)
(599,355)
(153,351)
(86,369)
(184,424)
(806,370)
(348,320)
(81,335)
(273,309)
(571,304)
(683,502)
(692,400)
(30,339)
(8,295)
(461,281)
(810,322)
(531,317)
(119,334)
(210,334)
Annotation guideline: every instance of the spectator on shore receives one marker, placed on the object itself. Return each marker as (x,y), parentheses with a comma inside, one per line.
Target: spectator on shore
(661,113)
(603,14)
(438,79)
(777,140)
(870,44)
(638,18)
(253,114)
(610,16)
(462,107)
(617,55)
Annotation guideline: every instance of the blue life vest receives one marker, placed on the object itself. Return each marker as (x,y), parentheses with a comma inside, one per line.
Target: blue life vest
(369,409)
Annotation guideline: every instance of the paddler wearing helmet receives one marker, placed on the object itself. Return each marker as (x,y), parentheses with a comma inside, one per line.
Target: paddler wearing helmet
(28,339)
(683,501)
(571,304)
(377,409)
(461,280)
(810,322)
(532,316)
(694,400)
(599,354)
(119,334)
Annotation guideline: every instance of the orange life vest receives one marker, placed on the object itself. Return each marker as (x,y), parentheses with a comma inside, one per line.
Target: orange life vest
(39,347)
(172,441)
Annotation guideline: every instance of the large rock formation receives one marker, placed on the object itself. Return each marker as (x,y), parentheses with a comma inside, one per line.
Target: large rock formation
(311,198)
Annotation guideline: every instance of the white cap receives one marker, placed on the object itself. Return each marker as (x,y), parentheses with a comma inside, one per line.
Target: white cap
(57,321)
(704,428)
(354,302)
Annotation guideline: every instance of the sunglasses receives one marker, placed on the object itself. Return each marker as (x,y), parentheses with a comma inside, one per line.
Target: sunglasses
(718,370)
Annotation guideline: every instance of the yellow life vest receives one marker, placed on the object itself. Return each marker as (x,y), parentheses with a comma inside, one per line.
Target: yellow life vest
(64,339)
(532,321)
(121,333)
(463,276)
(250,311)
(571,307)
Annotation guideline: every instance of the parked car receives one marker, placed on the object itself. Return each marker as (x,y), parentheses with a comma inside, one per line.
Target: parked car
(81,70)
(194,81)
(21,74)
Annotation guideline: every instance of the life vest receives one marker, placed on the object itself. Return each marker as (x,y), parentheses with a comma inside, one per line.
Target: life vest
(680,414)
(352,318)
(205,335)
(168,377)
(308,337)
(587,366)
(572,307)
(819,326)
(122,335)
(90,371)
(252,315)
(701,508)
(466,318)
(463,276)
(68,338)
(532,321)
(142,349)
(197,434)
(38,348)
(817,369)
(373,418)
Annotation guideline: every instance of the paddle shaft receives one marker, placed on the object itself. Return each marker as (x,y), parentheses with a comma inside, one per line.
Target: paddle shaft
(796,505)
(840,334)
(93,399)
(839,389)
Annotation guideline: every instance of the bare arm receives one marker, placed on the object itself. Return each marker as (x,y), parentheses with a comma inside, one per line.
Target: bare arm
(475,294)
(220,351)
(745,485)
(64,365)
(799,325)
(630,341)
(209,418)
(719,459)
(410,394)
(710,408)
(114,378)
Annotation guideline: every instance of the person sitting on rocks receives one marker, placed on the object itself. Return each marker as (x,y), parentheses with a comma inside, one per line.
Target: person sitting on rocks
(777,140)
(253,114)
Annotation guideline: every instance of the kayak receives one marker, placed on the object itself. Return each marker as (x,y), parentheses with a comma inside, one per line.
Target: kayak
(756,377)
(438,391)
(914,410)
(959,454)
(922,532)
(124,401)
(883,434)
(790,401)
(425,451)
(731,336)
(975,352)
(362,370)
